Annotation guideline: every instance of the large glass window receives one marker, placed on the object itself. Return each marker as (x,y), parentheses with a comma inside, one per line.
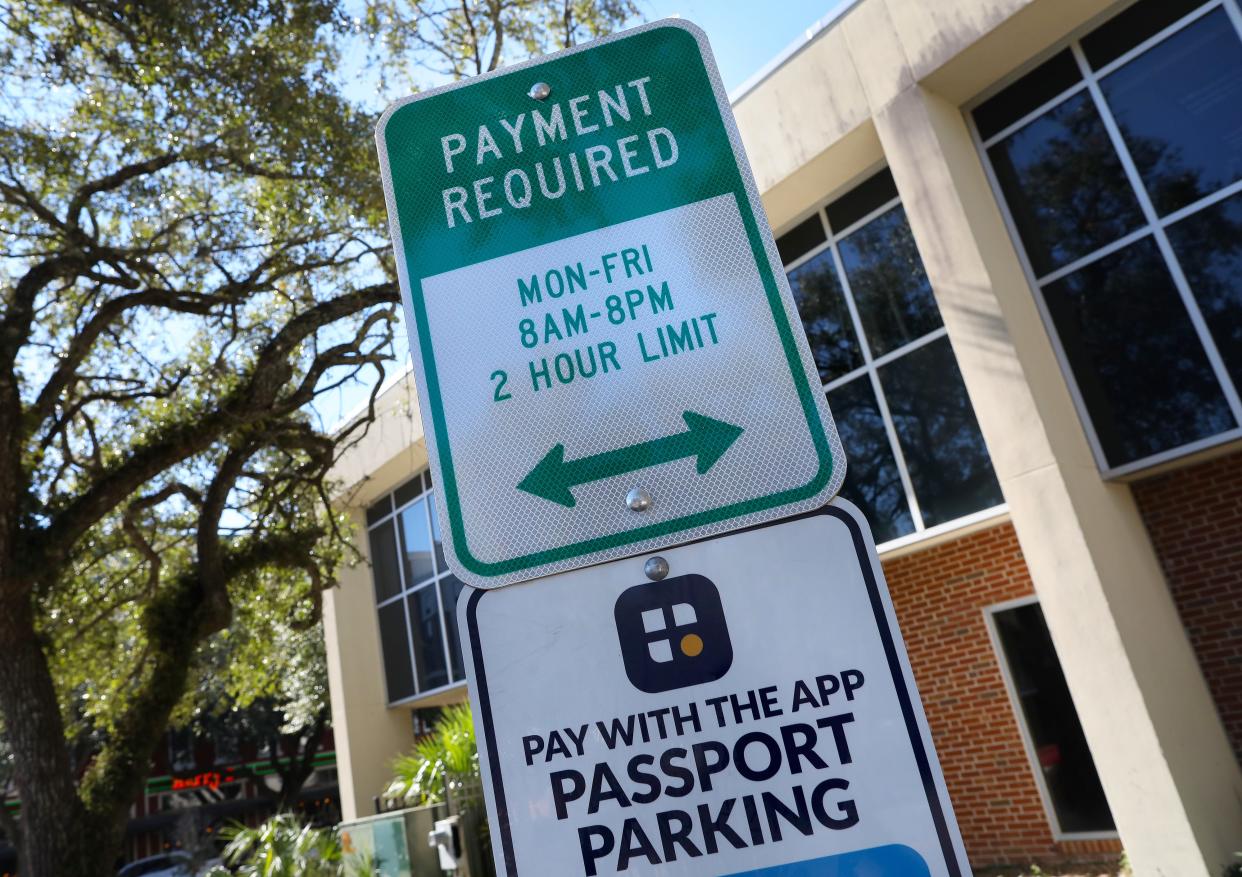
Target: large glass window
(915,457)
(1119,162)
(1063,764)
(415,594)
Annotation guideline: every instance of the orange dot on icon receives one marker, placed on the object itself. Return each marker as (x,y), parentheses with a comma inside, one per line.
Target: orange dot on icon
(691,645)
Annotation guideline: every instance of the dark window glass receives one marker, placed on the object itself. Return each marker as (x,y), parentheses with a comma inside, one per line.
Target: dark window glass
(408,491)
(427,639)
(1052,722)
(872,481)
(1179,107)
(1026,95)
(893,297)
(1135,356)
(436,539)
(825,316)
(181,750)
(226,739)
(1209,248)
(395,646)
(384,562)
(450,590)
(1141,21)
(802,238)
(940,440)
(869,195)
(1065,185)
(416,544)
(381,508)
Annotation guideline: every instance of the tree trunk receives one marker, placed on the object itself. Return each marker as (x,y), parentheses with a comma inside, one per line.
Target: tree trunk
(301,764)
(66,842)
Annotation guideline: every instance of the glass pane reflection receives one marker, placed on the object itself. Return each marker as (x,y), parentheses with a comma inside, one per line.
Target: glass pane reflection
(416,542)
(940,439)
(872,481)
(1065,185)
(825,316)
(450,589)
(1139,366)
(427,639)
(894,299)
(436,538)
(384,562)
(1179,107)
(395,647)
(1052,721)
(1209,248)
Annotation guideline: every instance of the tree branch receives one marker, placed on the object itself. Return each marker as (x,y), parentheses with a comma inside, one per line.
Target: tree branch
(254,400)
(115,180)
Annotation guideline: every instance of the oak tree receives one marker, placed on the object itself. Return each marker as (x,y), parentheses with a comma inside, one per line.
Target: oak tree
(192,255)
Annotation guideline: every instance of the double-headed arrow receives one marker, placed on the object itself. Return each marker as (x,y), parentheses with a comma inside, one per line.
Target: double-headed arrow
(706,438)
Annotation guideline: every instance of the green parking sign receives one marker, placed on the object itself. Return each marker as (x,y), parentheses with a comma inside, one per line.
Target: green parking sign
(607,353)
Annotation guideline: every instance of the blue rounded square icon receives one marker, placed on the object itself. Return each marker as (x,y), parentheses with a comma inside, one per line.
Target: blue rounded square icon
(673,634)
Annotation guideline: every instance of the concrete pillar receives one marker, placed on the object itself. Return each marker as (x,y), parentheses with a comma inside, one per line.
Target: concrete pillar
(368,734)
(1171,779)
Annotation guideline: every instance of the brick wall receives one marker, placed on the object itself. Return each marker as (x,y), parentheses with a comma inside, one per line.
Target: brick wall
(1194,517)
(939,595)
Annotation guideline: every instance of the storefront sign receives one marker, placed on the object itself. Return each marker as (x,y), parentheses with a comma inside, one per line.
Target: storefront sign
(607,353)
(753,713)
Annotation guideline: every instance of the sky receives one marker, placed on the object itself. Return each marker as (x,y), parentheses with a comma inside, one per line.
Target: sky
(742,44)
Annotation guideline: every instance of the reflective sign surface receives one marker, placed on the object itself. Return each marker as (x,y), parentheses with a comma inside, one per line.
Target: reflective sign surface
(596,307)
(753,713)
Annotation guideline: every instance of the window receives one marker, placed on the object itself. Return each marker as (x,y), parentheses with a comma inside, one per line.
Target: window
(1119,164)
(415,594)
(916,458)
(181,754)
(1064,769)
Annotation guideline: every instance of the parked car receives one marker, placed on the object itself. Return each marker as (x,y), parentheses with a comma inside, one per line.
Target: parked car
(172,864)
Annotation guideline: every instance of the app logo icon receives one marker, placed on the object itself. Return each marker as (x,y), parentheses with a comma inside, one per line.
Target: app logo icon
(673,634)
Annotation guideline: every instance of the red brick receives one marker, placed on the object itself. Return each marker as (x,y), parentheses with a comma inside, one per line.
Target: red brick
(1194,517)
(939,596)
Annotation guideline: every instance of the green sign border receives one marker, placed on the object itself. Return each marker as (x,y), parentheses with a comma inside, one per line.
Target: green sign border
(807,395)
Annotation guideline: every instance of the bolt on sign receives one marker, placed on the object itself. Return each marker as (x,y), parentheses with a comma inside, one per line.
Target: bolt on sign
(597,310)
(752,713)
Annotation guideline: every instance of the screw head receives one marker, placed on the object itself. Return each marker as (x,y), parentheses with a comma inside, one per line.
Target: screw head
(638,499)
(540,91)
(655,568)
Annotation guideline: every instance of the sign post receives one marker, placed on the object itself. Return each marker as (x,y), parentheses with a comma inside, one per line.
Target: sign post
(607,352)
(751,714)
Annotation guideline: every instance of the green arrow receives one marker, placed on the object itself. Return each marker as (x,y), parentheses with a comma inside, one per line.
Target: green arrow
(707,439)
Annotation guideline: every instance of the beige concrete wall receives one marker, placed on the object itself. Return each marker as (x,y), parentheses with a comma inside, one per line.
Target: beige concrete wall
(902,70)
(368,734)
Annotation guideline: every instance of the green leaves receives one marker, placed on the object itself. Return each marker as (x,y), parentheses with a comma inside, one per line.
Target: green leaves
(193,255)
(448,756)
(283,847)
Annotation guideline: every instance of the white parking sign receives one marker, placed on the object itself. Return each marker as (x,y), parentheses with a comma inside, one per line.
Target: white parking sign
(598,311)
(752,713)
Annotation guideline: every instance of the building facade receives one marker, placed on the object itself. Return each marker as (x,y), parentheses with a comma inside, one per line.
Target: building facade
(1014,232)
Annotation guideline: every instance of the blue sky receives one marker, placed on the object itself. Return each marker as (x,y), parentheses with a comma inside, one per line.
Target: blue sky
(742,41)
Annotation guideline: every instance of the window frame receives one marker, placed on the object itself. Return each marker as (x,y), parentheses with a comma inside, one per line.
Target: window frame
(1153,224)
(1028,743)
(870,369)
(394,515)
